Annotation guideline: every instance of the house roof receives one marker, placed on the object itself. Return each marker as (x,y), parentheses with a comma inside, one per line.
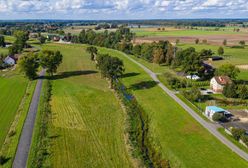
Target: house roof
(216,109)
(7,58)
(223,80)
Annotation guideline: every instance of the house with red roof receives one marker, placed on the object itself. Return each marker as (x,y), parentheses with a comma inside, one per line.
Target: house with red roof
(218,83)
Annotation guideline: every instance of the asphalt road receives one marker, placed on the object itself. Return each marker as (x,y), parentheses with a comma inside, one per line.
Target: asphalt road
(212,128)
(27,131)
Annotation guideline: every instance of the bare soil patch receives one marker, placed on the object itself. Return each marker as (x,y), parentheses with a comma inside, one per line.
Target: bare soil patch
(232,39)
(244,67)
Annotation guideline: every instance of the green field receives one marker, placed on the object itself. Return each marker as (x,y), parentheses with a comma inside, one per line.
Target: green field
(232,55)
(184,141)
(12,88)
(87,123)
(4,51)
(180,32)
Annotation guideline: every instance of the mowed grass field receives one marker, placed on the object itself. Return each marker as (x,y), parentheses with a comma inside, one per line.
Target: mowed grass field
(143,32)
(183,140)
(12,90)
(4,51)
(87,122)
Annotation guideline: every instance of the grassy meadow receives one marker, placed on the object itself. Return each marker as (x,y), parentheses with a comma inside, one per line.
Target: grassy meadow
(12,88)
(86,128)
(15,97)
(181,137)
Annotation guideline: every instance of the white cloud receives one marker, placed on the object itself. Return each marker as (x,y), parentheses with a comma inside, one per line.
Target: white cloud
(122,8)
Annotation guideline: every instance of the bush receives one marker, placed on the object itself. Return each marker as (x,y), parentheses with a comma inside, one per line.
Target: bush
(244,138)
(193,95)
(218,117)
(237,133)
(12,133)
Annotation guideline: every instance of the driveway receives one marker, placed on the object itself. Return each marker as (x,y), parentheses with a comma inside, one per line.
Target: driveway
(27,131)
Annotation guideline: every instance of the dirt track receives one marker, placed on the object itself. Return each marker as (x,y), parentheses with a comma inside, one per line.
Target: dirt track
(212,39)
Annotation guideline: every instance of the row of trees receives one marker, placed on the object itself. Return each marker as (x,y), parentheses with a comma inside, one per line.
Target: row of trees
(106,39)
(236,91)
(49,60)
(110,67)
(161,52)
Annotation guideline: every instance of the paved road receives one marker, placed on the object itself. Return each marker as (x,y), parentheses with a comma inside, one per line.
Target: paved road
(27,131)
(209,126)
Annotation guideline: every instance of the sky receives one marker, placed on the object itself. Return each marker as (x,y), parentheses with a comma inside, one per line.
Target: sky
(122,9)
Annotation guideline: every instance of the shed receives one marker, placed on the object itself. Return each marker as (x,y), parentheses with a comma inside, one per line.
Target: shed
(215,58)
(211,110)
(9,60)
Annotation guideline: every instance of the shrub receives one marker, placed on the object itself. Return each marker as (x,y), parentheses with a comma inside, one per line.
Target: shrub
(237,133)
(244,138)
(218,117)
(12,133)
(193,95)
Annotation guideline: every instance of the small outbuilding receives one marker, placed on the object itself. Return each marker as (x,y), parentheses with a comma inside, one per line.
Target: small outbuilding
(9,60)
(215,58)
(211,110)
(218,83)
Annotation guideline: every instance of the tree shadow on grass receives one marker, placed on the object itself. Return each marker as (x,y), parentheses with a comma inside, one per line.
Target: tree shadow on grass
(4,160)
(242,82)
(54,136)
(143,85)
(64,75)
(126,75)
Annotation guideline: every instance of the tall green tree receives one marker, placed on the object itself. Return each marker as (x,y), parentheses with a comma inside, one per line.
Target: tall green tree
(29,65)
(136,50)
(243,92)
(228,70)
(2,41)
(158,56)
(221,51)
(206,53)
(42,39)
(230,91)
(197,41)
(110,67)
(93,52)
(50,60)
(242,43)
(21,40)
(225,42)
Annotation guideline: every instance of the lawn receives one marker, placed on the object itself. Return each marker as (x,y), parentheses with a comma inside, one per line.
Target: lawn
(143,32)
(87,124)
(15,97)
(12,89)
(232,55)
(4,51)
(184,141)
